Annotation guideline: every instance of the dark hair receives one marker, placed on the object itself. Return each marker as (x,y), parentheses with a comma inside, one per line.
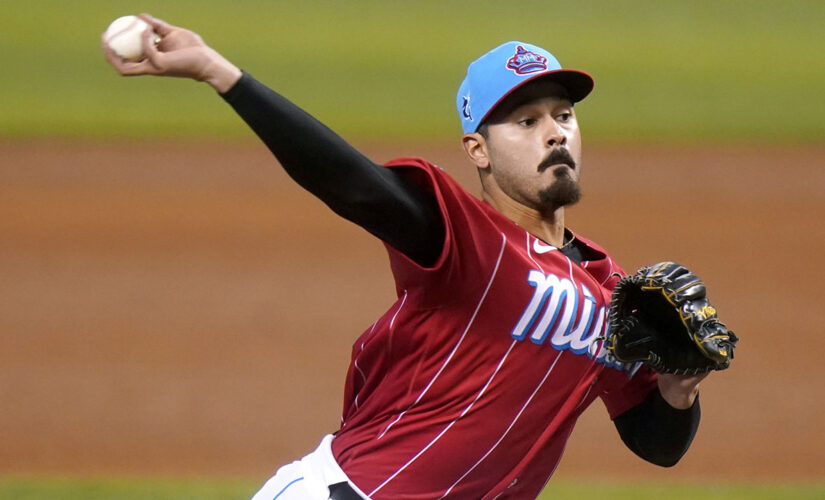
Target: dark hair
(482,129)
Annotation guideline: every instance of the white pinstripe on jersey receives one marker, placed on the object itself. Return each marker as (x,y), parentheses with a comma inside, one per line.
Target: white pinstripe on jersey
(506,431)
(444,365)
(464,334)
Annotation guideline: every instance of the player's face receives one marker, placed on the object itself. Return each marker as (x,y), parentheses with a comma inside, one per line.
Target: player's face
(533,146)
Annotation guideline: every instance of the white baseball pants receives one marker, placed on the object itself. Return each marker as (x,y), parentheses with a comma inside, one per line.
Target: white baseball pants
(308,478)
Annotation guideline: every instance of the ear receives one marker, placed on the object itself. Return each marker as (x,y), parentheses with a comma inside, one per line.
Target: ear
(475,145)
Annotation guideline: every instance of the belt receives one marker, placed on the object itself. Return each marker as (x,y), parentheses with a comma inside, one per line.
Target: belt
(343,491)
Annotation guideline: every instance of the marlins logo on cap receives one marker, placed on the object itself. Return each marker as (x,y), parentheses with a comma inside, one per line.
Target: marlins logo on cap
(496,74)
(525,62)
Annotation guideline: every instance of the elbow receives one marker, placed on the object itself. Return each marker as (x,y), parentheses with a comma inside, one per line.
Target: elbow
(662,453)
(664,456)
(665,461)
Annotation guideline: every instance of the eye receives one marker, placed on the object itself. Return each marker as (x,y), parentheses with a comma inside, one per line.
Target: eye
(527,122)
(564,117)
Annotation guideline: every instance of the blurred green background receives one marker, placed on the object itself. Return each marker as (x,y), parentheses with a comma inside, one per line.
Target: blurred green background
(670,71)
(227,489)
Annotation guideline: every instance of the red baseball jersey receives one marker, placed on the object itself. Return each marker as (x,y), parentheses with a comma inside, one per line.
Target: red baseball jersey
(470,384)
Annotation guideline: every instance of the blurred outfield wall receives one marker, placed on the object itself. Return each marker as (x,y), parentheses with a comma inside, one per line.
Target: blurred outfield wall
(668,71)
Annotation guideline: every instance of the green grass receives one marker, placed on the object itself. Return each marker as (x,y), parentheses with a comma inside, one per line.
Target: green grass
(675,71)
(225,489)
(125,489)
(681,491)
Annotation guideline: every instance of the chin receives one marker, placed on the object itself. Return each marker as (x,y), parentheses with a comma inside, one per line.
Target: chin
(562,193)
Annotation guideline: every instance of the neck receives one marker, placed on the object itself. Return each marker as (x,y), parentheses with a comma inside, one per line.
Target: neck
(547,226)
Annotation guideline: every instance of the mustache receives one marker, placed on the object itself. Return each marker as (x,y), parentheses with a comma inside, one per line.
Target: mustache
(556,157)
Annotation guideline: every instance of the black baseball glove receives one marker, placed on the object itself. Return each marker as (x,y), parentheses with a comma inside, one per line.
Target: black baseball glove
(662,317)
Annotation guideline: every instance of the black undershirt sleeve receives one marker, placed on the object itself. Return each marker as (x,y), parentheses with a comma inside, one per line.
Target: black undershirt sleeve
(658,432)
(379,199)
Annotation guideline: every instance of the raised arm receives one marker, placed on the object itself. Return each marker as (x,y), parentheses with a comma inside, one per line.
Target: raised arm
(381,200)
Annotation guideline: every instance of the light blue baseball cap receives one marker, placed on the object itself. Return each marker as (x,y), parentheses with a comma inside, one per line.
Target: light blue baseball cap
(496,74)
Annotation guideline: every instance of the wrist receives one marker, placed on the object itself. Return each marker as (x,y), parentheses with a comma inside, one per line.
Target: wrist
(219,73)
(679,391)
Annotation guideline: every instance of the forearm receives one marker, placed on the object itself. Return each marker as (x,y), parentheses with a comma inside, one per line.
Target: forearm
(680,390)
(313,155)
(658,432)
(379,199)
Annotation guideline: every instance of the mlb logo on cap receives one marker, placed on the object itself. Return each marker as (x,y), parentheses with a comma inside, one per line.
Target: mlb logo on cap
(496,74)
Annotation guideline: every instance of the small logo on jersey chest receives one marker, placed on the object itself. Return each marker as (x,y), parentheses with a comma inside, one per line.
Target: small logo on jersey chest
(540,247)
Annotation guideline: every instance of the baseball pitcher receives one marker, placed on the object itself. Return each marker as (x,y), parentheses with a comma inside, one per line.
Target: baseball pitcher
(507,324)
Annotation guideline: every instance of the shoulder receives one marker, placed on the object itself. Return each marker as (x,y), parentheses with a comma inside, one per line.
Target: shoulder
(452,197)
(473,232)
(420,170)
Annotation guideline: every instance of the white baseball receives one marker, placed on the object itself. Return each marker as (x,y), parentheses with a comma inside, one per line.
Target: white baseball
(124,37)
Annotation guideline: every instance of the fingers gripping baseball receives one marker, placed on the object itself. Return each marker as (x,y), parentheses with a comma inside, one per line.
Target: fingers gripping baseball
(179,53)
(662,317)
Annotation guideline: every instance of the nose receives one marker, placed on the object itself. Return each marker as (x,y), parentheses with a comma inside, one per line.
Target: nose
(554,135)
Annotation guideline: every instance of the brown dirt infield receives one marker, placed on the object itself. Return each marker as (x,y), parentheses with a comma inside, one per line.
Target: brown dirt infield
(171,308)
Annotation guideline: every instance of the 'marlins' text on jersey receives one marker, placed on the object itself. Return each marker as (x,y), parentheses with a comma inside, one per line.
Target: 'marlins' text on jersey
(551,313)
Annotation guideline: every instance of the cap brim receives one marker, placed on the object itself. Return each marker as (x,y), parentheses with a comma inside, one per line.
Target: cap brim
(577,83)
